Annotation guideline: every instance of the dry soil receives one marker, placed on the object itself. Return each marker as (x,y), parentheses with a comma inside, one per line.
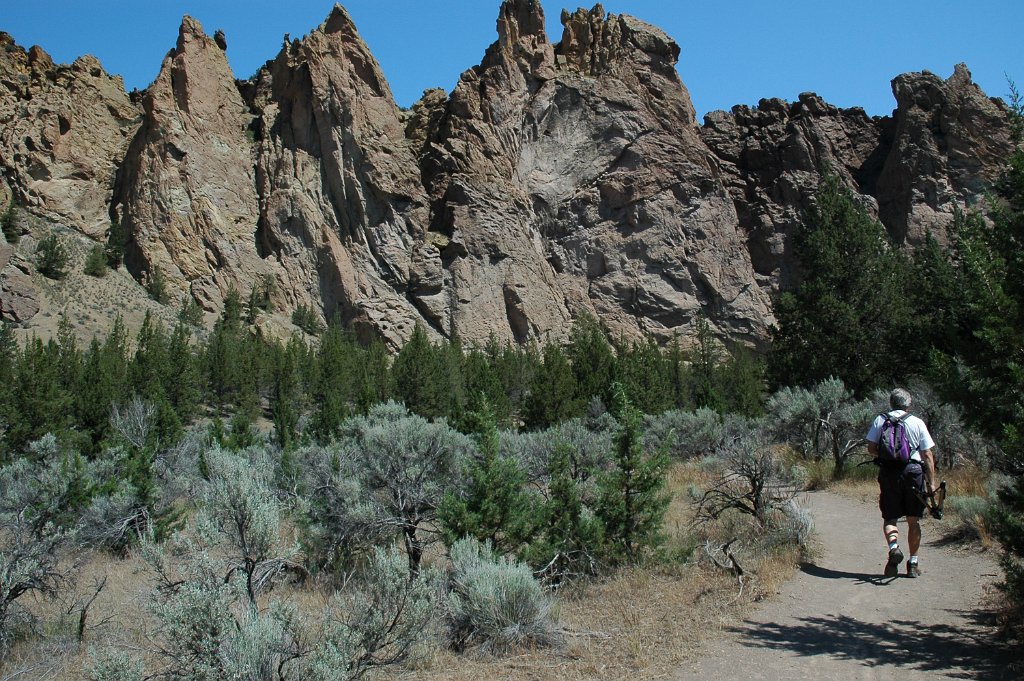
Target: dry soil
(840,619)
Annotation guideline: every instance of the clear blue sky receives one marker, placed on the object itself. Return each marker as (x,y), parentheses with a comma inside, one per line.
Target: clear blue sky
(733,51)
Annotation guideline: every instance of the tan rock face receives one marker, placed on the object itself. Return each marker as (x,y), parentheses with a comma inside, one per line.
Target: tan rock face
(187,191)
(341,201)
(556,178)
(63,132)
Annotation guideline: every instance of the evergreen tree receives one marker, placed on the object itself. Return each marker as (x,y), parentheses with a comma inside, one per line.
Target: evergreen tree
(495,507)
(742,382)
(96,262)
(568,535)
(592,360)
(38,402)
(104,382)
(185,388)
(419,376)
(375,380)
(847,317)
(151,375)
(704,360)
(339,364)
(553,392)
(52,257)
(646,376)
(632,499)
(285,396)
(117,241)
(7,226)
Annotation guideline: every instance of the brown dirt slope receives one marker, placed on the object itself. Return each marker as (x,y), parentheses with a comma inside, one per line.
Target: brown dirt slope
(839,619)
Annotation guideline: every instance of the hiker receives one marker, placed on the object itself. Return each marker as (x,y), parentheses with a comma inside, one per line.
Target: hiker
(902,479)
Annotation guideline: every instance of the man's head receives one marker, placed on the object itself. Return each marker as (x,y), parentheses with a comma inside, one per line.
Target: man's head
(899,399)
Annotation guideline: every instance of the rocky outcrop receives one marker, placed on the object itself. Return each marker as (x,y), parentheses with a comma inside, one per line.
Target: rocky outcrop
(950,143)
(941,150)
(19,300)
(342,207)
(186,192)
(63,132)
(556,179)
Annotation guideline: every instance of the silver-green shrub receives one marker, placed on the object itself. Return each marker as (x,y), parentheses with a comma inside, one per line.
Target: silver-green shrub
(208,629)
(239,504)
(404,465)
(381,622)
(685,434)
(38,529)
(495,602)
(112,665)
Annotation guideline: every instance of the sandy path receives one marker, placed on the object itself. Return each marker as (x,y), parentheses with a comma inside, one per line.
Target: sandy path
(839,619)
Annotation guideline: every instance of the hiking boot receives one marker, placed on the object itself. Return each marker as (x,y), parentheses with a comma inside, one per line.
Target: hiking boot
(892,568)
(913,570)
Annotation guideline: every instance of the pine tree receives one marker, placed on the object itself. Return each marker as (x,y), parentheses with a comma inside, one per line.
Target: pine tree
(632,499)
(495,507)
(847,317)
(592,360)
(553,392)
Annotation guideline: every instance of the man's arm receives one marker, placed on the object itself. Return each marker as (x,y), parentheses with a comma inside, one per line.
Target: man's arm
(872,448)
(928,459)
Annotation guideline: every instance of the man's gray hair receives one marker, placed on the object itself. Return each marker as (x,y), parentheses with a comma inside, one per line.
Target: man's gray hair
(899,399)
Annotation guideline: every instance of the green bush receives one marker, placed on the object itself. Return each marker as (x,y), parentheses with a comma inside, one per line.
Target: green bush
(306,318)
(52,257)
(96,262)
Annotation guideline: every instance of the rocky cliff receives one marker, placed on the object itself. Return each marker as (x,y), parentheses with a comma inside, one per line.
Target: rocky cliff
(557,178)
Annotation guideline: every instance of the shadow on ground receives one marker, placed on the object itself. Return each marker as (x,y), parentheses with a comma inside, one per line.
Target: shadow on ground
(964,652)
(857,577)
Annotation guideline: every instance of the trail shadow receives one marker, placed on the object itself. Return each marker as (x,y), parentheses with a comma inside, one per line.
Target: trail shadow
(858,577)
(966,651)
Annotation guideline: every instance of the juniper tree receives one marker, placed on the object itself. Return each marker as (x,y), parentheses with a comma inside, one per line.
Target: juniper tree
(632,499)
(553,395)
(592,360)
(52,257)
(833,323)
(494,505)
(568,536)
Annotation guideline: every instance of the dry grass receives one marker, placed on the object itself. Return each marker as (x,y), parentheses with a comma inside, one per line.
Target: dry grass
(639,623)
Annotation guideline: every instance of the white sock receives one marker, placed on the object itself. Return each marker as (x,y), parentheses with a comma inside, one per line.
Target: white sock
(894,545)
(913,559)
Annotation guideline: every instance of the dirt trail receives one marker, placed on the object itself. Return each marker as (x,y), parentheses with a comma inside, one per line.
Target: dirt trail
(839,619)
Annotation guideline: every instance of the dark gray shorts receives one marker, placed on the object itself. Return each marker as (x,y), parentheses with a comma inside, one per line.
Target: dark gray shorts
(897,487)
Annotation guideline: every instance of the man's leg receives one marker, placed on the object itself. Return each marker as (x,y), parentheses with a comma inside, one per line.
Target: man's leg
(913,534)
(892,533)
(913,543)
(892,536)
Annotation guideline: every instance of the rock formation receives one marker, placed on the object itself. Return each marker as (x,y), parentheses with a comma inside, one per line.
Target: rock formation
(186,191)
(63,133)
(556,179)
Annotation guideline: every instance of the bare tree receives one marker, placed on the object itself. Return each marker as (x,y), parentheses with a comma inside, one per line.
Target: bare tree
(756,480)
